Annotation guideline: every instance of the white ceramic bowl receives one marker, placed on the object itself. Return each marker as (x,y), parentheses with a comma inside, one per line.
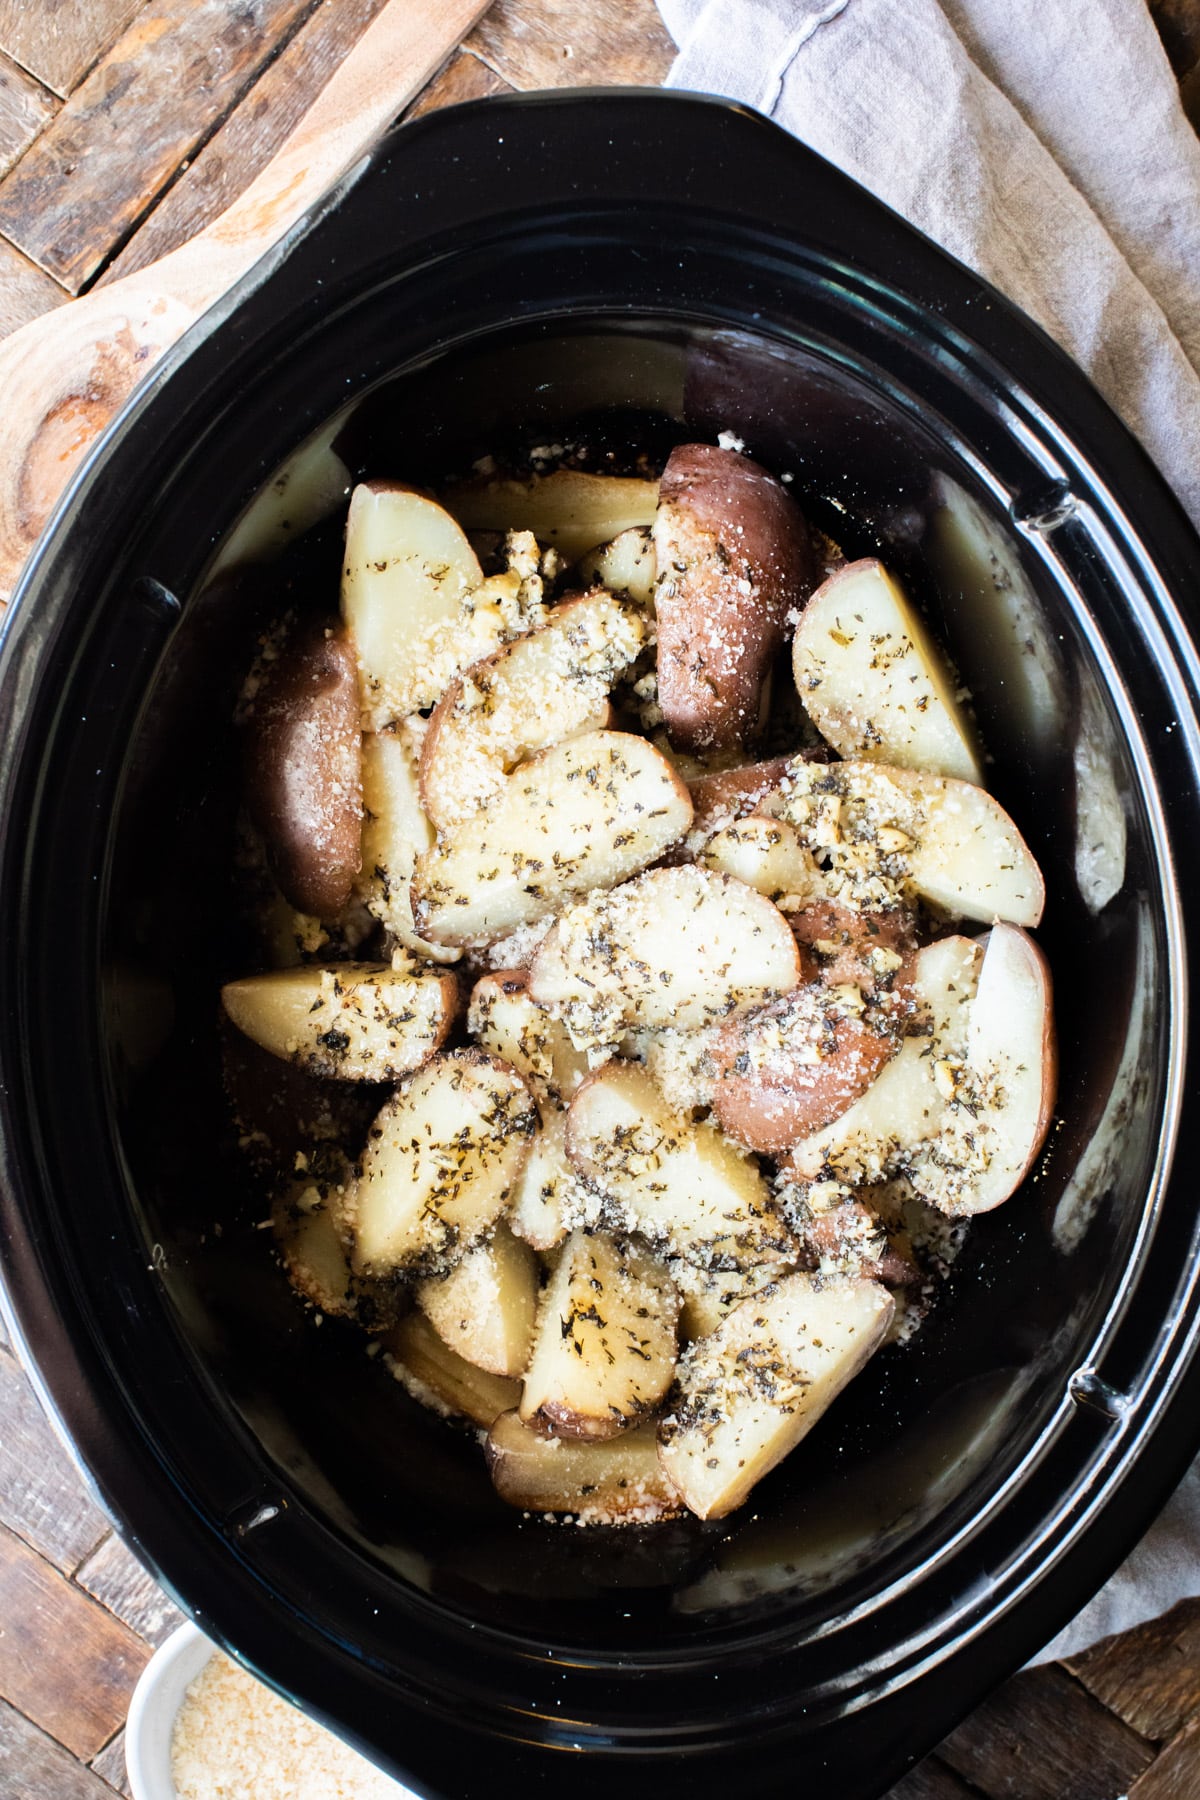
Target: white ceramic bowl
(152,1712)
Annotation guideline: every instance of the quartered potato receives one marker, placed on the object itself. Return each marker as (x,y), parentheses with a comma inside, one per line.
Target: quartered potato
(607,1482)
(768,856)
(569,509)
(889,834)
(548,1191)
(580,816)
(441,1162)
(709,1295)
(749,1392)
(723,795)
(303,768)
(677,947)
(873,681)
(311,1248)
(734,559)
(438,1377)
(352,1021)
(681,1184)
(484,1308)
(866,946)
(625,566)
(604,1345)
(534,692)
(395,832)
(407,570)
(508,1022)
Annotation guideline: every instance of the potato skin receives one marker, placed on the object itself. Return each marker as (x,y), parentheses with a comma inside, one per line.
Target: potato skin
(734,559)
(303,756)
(846,936)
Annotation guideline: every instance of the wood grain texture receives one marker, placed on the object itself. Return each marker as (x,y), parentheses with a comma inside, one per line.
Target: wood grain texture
(26,292)
(65,1662)
(931,1780)
(114,1576)
(559,43)
(33,1767)
(1149,1677)
(463,78)
(42,1497)
(25,107)
(161,89)
(1042,1737)
(251,134)
(111,1765)
(62,380)
(59,40)
(1175,1772)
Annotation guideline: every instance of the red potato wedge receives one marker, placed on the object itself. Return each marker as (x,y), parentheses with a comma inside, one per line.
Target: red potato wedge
(850,1239)
(873,681)
(748,1393)
(407,569)
(787,1069)
(583,815)
(504,1018)
(572,510)
(1002,1093)
(768,856)
(728,794)
(485,1307)
(889,835)
(681,1184)
(311,1248)
(604,1346)
(395,832)
(614,1481)
(536,691)
(625,566)
(304,769)
(441,1162)
(350,1021)
(850,944)
(710,1295)
(734,559)
(548,1191)
(676,947)
(439,1378)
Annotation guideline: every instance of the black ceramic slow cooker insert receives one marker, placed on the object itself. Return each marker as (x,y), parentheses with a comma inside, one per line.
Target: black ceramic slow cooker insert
(659,268)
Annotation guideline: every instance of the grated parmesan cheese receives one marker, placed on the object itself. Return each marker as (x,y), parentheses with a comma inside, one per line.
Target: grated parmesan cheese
(236,1740)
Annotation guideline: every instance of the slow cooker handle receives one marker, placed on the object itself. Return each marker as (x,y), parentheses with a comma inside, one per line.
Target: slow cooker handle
(65,375)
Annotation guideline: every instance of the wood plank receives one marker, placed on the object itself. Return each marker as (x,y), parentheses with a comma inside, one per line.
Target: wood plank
(464,77)
(59,43)
(250,135)
(111,1765)
(1043,1737)
(559,43)
(33,1767)
(1175,1772)
(931,1780)
(1149,1677)
(115,1577)
(65,1662)
(42,1497)
(26,292)
(25,106)
(163,87)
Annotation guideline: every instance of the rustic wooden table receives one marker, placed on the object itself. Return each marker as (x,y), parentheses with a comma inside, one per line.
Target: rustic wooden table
(125,126)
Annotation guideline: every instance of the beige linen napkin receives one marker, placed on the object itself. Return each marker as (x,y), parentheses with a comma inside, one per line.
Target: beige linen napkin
(1042,142)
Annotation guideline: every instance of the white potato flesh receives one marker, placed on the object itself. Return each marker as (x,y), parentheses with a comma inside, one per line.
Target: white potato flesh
(352,1021)
(709,1295)
(548,1191)
(768,856)
(890,834)
(439,1378)
(583,815)
(750,1391)
(873,681)
(312,1251)
(407,569)
(681,1184)
(508,1023)
(626,566)
(906,1103)
(441,1162)
(613,1481)
(395,832)
(677,947)
(536,691)
(569,509)
(604,1346)
(484,1308)
(1002,1090)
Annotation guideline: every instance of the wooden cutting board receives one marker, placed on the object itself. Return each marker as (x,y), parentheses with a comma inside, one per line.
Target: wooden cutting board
(65,375)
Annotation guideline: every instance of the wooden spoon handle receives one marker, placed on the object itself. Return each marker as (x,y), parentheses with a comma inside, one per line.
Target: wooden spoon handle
(64,375)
